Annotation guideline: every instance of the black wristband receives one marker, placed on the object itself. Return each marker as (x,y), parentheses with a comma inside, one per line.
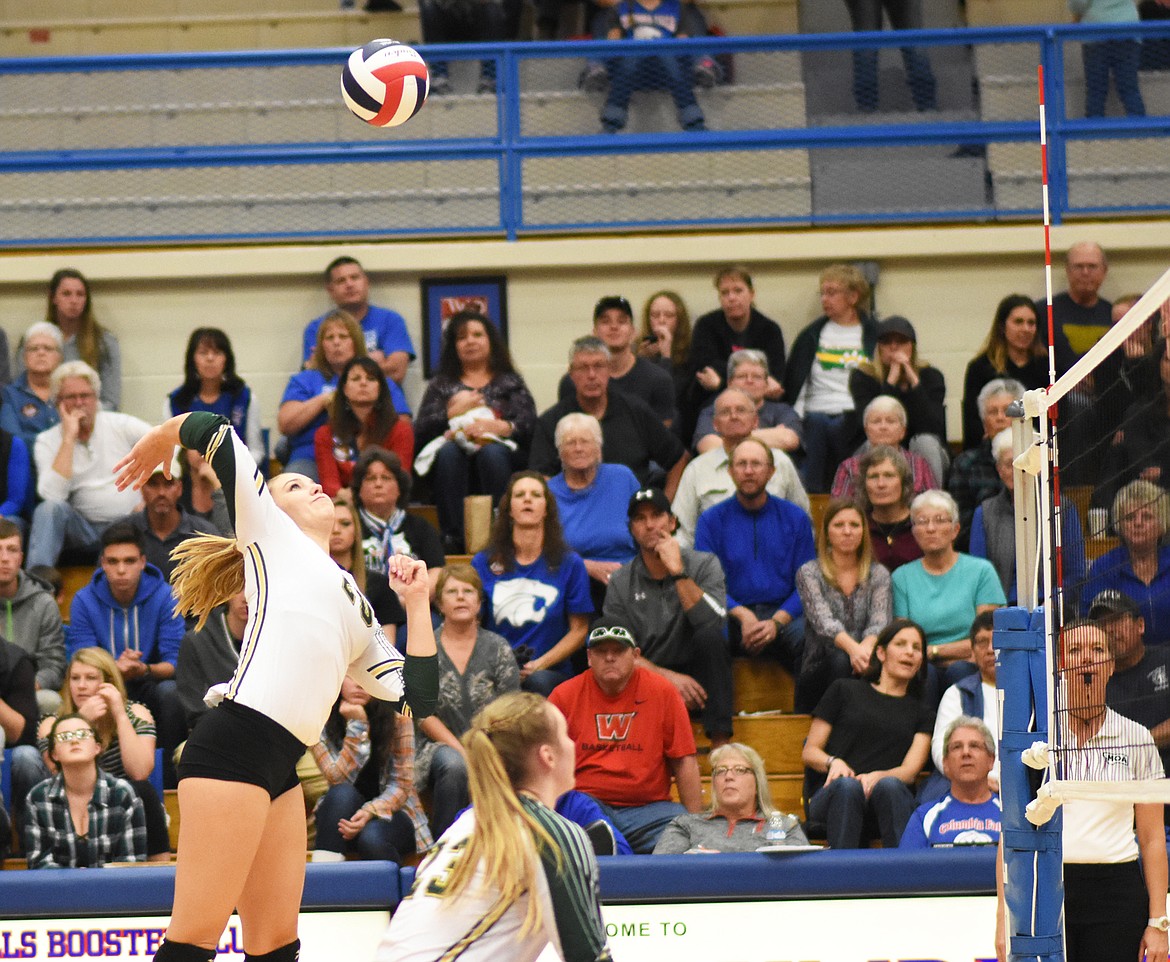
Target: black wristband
(679,577)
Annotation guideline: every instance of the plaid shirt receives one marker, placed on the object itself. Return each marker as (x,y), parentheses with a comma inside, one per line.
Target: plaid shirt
(339,764)
(117,826)
(973,480)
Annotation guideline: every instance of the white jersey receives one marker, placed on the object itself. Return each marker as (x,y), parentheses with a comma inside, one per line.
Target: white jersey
(1122,750)
(477,927)
(308,624)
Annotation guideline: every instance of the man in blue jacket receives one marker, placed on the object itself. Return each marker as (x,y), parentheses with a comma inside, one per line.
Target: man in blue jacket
(761,541)
(128,610)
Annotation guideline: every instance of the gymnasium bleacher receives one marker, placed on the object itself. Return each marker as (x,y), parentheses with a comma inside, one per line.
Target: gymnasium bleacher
(776,84)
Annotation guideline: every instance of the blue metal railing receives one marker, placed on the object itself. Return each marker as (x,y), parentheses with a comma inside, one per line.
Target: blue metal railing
(507,142)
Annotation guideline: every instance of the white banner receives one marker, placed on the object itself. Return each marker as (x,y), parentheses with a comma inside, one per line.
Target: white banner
(325,937)
(935,929)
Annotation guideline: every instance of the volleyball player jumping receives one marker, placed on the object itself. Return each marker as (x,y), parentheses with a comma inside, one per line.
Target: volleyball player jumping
(242,840)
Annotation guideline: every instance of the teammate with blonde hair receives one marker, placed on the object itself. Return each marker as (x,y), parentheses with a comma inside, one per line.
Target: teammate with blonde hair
(510,875)
(242,842)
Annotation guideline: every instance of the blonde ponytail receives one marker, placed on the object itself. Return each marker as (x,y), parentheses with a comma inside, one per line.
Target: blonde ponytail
(209,572)
(499,745)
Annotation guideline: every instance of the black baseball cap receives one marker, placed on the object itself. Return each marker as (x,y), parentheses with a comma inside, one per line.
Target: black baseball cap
(896,324)
(612,302)
(604,630)
(1113,602)
(651,496)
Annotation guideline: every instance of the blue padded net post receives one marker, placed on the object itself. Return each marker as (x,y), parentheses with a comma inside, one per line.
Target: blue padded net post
(1032,856)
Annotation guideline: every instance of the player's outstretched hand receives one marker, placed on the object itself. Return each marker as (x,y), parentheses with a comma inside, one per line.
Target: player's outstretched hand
(408,577)
(155,447)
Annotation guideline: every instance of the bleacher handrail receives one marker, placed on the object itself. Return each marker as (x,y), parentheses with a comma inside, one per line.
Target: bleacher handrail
(510,146)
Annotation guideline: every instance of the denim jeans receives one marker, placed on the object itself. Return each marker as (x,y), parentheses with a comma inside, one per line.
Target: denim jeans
(449,792)
(57,525)
(627,74)
(841,806)
(1121,58)
(458,473)
(543,682)
(642,824)
(866,15)
(788,646)
(28,768)
(827,442)
(386,839)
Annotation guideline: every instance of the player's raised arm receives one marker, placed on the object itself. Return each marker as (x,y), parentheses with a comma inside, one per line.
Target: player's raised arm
(408,578)
(155,447)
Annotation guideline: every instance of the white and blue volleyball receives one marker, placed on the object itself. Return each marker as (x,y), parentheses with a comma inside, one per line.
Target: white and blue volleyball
(385,83)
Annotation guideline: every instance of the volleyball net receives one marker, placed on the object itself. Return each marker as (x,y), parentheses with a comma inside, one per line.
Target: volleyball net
(1092,463)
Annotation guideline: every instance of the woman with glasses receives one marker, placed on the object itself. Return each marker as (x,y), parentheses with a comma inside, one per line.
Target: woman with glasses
(380,488)
(475,374)
(26,405)
(536,590)
(868,741)
(741,807)
(126,734)
(945,589)
(476,666)
(82,817)
(1140,566)
(777,424)
(816,379)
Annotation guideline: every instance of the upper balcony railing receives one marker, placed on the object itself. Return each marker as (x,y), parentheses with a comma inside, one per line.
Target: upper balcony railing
(912,127)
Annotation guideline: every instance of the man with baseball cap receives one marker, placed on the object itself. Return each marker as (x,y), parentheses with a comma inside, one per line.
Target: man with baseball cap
(633,737)
(1140,686)
(613,325)
(675,601)
(165,524)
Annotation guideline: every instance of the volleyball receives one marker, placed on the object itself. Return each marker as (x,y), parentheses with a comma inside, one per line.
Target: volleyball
(385,83)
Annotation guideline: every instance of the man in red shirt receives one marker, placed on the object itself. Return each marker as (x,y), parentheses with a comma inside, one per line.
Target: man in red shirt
(633,736)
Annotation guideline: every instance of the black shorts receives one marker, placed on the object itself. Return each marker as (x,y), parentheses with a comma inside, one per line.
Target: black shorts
(234,743)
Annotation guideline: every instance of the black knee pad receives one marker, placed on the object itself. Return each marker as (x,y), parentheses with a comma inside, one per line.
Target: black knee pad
(182,952)
(286,953)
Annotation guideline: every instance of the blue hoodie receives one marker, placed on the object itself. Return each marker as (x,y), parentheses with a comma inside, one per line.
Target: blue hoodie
(149,624)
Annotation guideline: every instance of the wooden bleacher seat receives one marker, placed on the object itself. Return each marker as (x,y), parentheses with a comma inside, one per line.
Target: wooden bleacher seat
(779,738)
(817,504)
(761,684)
(73,579)
(428,512)
(1081,496)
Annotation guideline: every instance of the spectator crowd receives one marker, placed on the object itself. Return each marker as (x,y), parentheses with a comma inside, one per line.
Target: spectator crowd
(697,492)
